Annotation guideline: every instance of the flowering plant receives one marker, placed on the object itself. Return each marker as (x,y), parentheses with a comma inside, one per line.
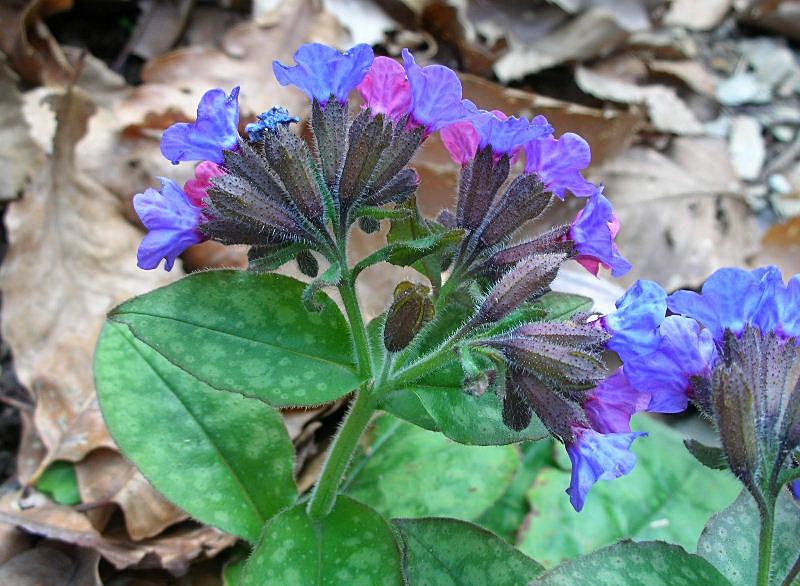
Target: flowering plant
(191,376)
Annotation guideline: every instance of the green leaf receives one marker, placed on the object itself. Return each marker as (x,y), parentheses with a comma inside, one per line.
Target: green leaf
(408,252)
(313,300)
(380,213)
(247,333)
(710,456)
(669,496)
(411,472)
(559,306)
(449,552)
(730,540)
(232,572)
(353,546)
(506,516)
(415,227)
(263,259)
(60,483)
(223,458)
(635,564)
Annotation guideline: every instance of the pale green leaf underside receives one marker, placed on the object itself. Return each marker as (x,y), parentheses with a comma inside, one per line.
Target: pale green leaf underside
(225,459)
(411,472)
(669,496)
(248,333)
(448,552)
(353,546)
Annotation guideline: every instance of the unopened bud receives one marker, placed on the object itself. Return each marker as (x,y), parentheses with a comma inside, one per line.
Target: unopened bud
(369,225)
(530,277)
(411,309)
(524,200)
(307,263)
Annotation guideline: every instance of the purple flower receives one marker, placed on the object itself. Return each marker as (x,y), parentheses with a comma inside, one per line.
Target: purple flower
(173,223)
(597,456)
(611,404)
(559,162)
(435,94)
(732,299)
(323,72)
(634,326)
(386,90)
(593,233)
(214,131)
(505,135)
(795,488)
(683,350)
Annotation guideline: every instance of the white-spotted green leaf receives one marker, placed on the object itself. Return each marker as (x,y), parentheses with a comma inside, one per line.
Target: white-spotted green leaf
(449,552)
(650,563)
(225,459)
(353,546)
(669,496)
(730,540)
(407,471)
(60,483)
(248,333)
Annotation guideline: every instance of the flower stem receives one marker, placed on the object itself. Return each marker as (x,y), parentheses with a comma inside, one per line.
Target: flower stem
(360,341)
(340,453)
(767,512)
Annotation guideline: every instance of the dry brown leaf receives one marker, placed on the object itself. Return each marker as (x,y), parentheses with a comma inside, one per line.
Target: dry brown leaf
(782,17)
(781,246)
(71,258)
(52,564)
(667,112)
(105,476)
(12,542)
(174,550)
(682,213)
(245,58)
(31,451)
(19,155)
(698,16)
(690,72)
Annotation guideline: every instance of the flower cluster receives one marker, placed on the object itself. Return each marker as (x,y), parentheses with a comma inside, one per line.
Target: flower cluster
(732,350)
(285,196)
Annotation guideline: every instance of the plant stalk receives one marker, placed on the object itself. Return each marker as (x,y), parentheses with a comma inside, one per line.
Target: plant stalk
(767,513)
(360,341)
(340,453)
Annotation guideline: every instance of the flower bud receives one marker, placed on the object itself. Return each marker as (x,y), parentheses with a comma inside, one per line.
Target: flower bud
(411,309)
(524,200)
(307,264)
(369,225)
(480,181)
(528,278)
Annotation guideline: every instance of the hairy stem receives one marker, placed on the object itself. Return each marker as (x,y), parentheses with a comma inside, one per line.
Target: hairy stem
(793,573)
(766,510)
(340,453)
(359,332)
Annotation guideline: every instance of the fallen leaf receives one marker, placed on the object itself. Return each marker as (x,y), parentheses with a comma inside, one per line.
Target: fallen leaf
(781,246)
(697,16)
(782,17)
(682,212)
(19,155)
(174,550)
(106,477)
(50,564)
(12,542)
(667,112)
(366,21)
(747,148)
(72,257)
(690,72)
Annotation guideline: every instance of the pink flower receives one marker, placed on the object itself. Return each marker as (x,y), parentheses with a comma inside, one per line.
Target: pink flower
(386,90)
(197,189)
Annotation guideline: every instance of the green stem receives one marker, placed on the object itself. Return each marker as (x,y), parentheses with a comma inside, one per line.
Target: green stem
(341,452)
(359,332)
(767,512)
(793,573)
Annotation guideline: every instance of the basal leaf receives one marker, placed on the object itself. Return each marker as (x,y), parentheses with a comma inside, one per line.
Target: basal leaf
(730,540)
(247,333)
(650,563)
(669,496)
(410,472)
(449,552)
(353,546)
(711,456)
(225,459)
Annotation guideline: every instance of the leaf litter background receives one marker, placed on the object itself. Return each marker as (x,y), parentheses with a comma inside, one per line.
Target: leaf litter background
(693,113)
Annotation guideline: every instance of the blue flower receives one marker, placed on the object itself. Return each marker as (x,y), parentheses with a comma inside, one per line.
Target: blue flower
(683,351)
(634,326)
(611,404)
(323,72)
(436,99)
(795,488)
(559,162)
(269,120)
(173,223)
(597,456)
(593,233)
(215,130)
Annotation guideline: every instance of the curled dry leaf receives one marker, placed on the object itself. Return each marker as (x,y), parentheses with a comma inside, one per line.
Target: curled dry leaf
(19,156)
(698,16)
(173,550)
(106,477)
(71,257)
(682,213)
(49,564)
